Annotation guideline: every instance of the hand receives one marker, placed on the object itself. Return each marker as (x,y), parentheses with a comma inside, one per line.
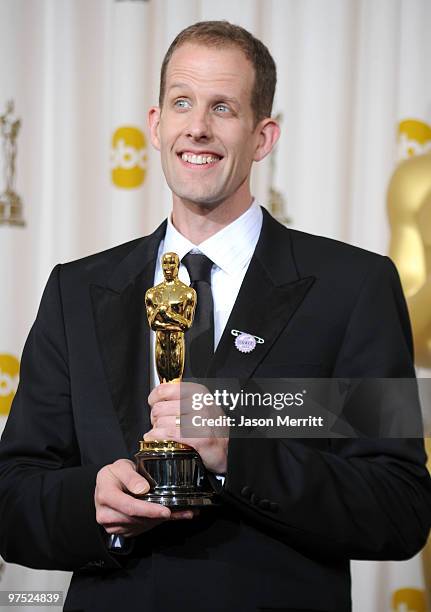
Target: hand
(118,511)
(165,410)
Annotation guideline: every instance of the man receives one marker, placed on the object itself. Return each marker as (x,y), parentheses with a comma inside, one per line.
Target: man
(292,512)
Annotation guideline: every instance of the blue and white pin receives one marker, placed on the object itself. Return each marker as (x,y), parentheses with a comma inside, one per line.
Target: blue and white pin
(245,342)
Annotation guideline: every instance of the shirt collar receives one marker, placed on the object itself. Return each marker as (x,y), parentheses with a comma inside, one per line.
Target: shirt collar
(230,249)
(175,242)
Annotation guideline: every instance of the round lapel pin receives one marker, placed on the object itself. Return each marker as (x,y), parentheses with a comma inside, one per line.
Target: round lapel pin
(245,343)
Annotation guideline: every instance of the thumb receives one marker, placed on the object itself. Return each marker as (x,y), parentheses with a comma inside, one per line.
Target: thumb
(130,479)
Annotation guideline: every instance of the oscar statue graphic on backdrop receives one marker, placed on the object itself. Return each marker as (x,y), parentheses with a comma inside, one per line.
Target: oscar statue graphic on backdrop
(11,211)
(409,206)
(175,471)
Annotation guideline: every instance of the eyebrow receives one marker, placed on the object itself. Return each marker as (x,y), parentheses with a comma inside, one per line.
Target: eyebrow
(218,97)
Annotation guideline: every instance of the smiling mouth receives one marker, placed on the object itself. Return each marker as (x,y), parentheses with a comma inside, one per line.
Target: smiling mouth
(203,159)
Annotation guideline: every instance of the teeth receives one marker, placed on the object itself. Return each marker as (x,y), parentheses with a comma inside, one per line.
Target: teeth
(199,159)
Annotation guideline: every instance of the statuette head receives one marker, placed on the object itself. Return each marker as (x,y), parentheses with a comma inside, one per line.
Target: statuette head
(170,266)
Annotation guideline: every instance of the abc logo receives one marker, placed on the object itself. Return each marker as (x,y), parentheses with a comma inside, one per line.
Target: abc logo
(9,375)
(414,138)
(409,600)
(128,157)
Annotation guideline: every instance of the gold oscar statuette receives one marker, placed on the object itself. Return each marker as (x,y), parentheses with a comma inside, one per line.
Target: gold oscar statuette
(174,470)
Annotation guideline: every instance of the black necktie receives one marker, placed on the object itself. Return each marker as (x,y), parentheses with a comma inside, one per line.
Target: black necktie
(200,337)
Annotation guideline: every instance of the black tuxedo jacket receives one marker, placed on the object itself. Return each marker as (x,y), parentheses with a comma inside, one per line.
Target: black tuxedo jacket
(293,512)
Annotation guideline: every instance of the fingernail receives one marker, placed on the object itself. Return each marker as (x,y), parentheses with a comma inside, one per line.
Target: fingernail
(140,490)
(166,513)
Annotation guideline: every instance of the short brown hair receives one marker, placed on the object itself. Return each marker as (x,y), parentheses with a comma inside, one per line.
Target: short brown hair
(222,33)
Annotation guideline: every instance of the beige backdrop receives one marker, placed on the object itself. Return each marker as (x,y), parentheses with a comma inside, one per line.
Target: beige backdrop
(83,72)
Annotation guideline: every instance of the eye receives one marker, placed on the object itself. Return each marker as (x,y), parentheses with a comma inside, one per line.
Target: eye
(222,108)
(182,103)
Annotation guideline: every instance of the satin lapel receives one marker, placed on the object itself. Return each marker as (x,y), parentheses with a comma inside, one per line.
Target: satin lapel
(124,336)
(270,294)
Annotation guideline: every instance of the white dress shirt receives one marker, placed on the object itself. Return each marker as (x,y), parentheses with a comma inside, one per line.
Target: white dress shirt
(231,250)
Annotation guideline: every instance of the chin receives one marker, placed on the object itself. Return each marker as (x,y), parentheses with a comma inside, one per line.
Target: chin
(204,202)
(203,199)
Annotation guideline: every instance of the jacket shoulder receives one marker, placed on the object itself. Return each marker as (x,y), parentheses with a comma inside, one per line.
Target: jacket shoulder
(98,267)
(106,258)
(323,256)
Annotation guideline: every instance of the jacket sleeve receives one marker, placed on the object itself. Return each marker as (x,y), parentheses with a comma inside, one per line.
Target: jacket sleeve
(47,512)
(363,498)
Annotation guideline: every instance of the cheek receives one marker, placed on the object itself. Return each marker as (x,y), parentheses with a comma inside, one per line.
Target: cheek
(171,128)
(243,154)
(164,138)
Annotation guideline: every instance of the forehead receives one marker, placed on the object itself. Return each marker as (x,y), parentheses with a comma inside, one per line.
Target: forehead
(210,68)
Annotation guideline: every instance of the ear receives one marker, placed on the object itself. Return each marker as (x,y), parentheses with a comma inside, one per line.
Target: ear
(268,132)
(153,124)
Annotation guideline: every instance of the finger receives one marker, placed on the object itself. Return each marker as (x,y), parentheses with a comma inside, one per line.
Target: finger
(166,433)
(183,407)
(163,392)
(124,470)
(132,530)
(108,517)
(112,520)
(180,515)
(167,408)
(119,524)
(171,391)
(120,530)
(166,422)
(199,398)
(187,389)
(112,497)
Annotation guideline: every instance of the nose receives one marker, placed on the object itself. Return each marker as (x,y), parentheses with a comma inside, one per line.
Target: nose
(199,125)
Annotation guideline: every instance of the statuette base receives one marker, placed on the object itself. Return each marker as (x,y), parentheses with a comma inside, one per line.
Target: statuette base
(175,473)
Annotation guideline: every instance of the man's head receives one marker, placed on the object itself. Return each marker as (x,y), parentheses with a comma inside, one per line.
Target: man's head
(206,127)
(170,266)
(222,34)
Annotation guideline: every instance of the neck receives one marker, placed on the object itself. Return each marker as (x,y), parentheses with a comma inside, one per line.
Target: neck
(198,222)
